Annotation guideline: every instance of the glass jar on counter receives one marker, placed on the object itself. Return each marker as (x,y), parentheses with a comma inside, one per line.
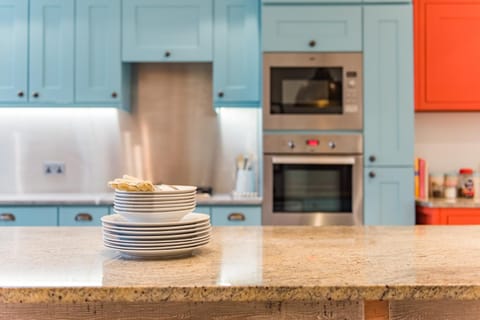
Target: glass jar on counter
(436,184)
(451,183)
(466,189)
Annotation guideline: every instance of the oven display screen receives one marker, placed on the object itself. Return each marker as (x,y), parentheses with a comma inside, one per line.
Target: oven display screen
(312,188)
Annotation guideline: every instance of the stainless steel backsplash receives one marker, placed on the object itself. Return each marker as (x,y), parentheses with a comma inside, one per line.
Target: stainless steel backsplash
(173,135)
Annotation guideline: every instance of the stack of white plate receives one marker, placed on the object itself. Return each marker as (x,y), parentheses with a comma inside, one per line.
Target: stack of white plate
(167,203)
(156,239)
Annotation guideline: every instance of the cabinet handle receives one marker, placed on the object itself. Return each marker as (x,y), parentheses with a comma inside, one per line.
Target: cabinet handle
(36,94)
(167,54)
(371,174)
(372,158)
(83,217)
(20,94)
(7,217)
(114,94)
(236,216)
(312,43)
(221,94)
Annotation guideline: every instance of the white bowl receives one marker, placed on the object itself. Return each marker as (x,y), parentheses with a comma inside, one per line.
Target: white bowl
(155,217)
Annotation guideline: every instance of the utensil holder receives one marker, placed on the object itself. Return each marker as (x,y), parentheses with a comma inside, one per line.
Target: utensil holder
(245,181)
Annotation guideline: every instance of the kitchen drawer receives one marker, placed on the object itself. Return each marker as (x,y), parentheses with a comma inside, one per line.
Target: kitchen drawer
(203,209)
(312,28)
(81,216)
(28,216)
(237,216)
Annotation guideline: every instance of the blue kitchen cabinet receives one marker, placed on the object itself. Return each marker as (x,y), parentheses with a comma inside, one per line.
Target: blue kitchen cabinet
(389,115)
(389,196)
(236,215)
(81,215)
(28,216)
(203,209)
(51,51)
(98,65)
(311,28)
(236,57)
(167,30)
(388,84)
(13,50)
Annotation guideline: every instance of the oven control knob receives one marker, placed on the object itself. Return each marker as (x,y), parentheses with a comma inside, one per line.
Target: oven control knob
(332,145)
(291,144)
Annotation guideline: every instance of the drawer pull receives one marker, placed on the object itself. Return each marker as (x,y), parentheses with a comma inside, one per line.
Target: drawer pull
(83,217)
(7,217)
(236,216)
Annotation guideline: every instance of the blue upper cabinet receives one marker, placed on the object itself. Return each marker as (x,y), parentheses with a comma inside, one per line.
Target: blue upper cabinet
(98,66)
(167,30)
(389,196)
(236,65)
(51,51)
(388,72)
(13,50)
(312,28)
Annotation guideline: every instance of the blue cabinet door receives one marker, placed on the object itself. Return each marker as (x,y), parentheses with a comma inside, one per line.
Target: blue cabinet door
(98,76)
(51,51)
(308,28)
(389,196)
(167,30)
(236,62)
(13,50)
(203,209)
(81,216)
(17,216)
(236,215)
(388,84)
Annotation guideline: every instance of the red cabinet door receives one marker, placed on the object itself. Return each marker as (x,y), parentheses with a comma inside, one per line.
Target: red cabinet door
(447,55)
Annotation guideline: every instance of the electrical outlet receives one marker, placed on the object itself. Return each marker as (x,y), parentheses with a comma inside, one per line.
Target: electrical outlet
(53,167)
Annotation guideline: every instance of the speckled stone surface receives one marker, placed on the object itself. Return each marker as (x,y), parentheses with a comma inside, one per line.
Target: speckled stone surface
(447,203)
(70,265)
(59,199)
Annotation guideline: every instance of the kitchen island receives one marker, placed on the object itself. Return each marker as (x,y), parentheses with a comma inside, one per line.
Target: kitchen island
(256,272)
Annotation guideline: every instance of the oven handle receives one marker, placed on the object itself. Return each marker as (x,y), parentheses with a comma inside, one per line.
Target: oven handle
(313,160)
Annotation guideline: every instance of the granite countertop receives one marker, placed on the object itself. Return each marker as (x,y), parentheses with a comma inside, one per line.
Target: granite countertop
(60,199)
(70,265)
(447,203)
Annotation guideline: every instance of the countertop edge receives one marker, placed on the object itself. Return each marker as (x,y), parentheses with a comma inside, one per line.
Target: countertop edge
(235,294)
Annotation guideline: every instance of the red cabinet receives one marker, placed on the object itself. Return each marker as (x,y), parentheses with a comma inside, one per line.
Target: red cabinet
(447,55)
(447,216)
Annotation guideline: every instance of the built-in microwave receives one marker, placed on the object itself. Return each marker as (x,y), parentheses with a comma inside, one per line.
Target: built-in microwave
(313,91)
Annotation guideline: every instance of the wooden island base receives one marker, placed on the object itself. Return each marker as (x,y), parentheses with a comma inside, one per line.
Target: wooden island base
(332,310)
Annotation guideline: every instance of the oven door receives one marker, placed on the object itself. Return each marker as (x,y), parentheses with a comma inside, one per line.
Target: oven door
(318,91)
(313,190)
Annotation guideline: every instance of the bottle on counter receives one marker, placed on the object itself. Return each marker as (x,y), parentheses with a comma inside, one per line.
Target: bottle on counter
(436,184)
(466,186)
(451,183)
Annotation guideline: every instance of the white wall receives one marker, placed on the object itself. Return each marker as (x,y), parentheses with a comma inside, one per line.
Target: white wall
(448,141)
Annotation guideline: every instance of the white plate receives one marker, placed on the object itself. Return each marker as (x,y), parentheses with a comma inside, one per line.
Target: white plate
(115,246)
(152,231)
(191,218)
(162,217)
(157,244)
(154,197)
(168,207)
(153,202)
(163,189)
(153,254)
(155,210)
(114,236)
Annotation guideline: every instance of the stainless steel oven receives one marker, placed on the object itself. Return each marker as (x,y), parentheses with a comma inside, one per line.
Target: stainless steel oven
(318,91)
(313,179)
